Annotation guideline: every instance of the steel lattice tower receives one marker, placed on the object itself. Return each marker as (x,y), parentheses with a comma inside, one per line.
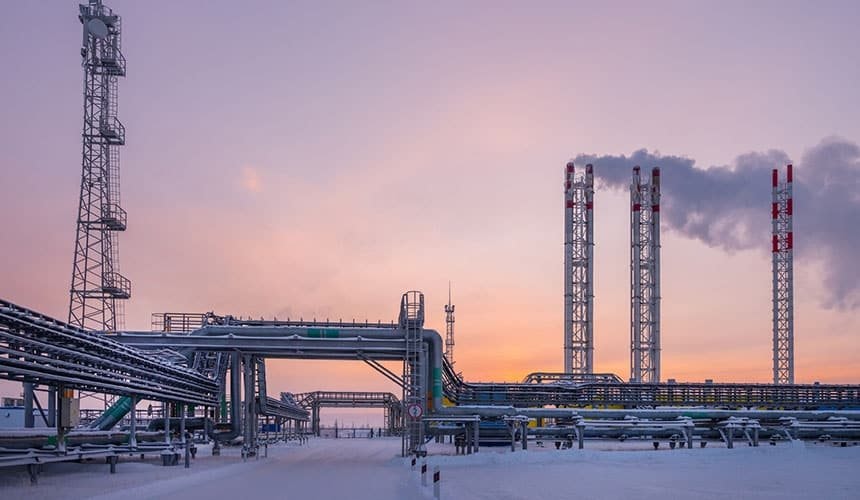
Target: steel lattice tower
(645,278)
(783,279)
(578,270)
(97,286)
(449,328)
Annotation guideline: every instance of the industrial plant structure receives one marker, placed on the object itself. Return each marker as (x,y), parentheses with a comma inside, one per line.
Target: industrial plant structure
(578,270)
(208,371)
(645,278)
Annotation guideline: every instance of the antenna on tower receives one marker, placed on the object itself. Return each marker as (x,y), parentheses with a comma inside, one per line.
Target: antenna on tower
(449,328)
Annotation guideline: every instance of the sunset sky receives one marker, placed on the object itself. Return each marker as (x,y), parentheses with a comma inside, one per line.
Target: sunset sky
(317,159)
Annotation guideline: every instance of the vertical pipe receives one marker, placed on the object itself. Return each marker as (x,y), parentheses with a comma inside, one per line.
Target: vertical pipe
(236,392)
(132,424)
(789,244)
(525,435)
(182,438)
(52,406)
(166,414)
(181,408)
(656,345)
(569,172)
(248,397)
(29,418)
(635,299)
(589,270)
(477,435)
(61,430)
(470,437)
(775,271)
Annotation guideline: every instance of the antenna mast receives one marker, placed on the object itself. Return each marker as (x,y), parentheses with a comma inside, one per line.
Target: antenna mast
(449,328)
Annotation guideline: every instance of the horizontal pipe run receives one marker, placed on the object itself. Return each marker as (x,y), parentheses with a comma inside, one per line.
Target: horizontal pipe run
(36,348)
(109,371)
(22,440)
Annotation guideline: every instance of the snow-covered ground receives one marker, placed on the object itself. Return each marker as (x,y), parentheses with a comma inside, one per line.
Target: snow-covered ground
(365,469)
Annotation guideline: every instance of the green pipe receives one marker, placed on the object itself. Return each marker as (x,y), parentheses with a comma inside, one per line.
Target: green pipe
(113,415)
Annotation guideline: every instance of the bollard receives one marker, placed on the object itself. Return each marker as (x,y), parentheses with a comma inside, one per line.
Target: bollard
(424,474)
(413,463)
(436,485)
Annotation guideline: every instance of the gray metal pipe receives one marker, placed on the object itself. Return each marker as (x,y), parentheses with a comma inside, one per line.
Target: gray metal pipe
(235,399)
(704,413)
(17,440)
(235,403)
(70,372)
(509,411)
(431,337)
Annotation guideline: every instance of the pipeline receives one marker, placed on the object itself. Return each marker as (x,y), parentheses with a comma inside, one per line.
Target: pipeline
(508,411)
(431,337)
(704,413)
(27,439)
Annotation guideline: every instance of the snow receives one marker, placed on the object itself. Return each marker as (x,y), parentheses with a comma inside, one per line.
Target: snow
(365,469)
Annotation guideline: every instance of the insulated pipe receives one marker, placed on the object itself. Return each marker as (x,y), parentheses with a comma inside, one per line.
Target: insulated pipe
(702,413)
(70,372)
(508,411)
(655,241)
(92,342)
(235,402)
(235,399)
(431,337)
(40,438)
(29,420)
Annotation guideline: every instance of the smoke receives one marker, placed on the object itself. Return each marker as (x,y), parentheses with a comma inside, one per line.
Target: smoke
(728,207)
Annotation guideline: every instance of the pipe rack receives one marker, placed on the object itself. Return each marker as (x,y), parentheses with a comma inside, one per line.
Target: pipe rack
(39,349)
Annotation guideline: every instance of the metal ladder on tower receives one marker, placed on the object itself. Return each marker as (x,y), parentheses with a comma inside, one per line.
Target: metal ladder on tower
(412,324)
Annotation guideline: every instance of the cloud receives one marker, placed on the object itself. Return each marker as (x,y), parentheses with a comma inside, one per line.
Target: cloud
(251,179)
(728,207)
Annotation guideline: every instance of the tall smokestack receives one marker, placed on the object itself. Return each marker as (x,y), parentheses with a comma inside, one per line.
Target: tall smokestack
(645,278)
(782,244)
(578,270)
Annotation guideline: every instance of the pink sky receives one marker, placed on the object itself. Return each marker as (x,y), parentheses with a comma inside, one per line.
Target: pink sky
(310,159)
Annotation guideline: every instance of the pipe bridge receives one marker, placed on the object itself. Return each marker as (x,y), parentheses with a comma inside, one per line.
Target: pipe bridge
(314,401)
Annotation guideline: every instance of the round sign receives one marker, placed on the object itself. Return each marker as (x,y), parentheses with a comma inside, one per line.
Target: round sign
(414,410)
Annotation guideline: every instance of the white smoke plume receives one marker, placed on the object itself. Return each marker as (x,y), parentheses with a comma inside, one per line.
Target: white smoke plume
(728,207)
